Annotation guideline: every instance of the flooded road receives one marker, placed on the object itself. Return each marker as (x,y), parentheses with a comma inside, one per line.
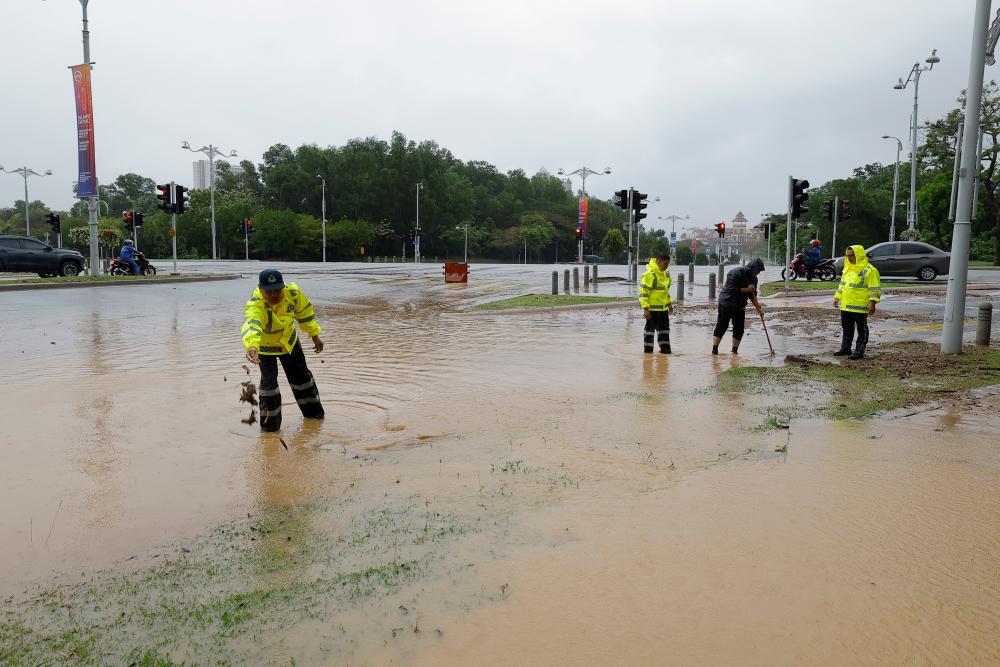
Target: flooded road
(566,499)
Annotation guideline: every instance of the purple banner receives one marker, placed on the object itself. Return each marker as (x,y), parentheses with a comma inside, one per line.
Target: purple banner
(86,185)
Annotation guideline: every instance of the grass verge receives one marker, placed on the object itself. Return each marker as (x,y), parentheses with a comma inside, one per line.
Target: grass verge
(548,300)
(896,376)
(93,279)
(778,286)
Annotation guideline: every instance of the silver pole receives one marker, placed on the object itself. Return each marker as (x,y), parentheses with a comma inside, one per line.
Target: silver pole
(416,237)
(628,267)
(788,233)
(324,220)
(954,310)
(246,239)
(27,222)
(954,173)
(173,226)
(92,206)
(975,184)
(466,244)
(211,194)
(836,219)
(895,191)
(911,218)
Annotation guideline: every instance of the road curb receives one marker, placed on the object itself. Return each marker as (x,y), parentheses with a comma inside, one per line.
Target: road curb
(631,303)
(27,287)
(886,287)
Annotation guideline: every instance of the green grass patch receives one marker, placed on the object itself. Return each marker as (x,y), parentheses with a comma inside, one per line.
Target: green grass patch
(778,286)
(982,264)
(94,279)
(905,374)
(549,300)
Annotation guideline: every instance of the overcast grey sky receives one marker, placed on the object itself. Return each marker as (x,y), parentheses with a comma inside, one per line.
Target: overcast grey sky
(708,105)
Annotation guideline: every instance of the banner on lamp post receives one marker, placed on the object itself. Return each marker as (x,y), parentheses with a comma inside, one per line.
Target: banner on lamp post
(581,221)
(86,185)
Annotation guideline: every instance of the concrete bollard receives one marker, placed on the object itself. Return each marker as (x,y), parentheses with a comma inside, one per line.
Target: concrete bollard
(586,275)
(555,282)
(711,286)
(576,278)
(722,272)
(691,273)
(595,274)
(566,281)
(680,287)
(985,323)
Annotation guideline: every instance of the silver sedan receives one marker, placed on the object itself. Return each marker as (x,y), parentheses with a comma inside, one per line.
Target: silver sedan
(906,258)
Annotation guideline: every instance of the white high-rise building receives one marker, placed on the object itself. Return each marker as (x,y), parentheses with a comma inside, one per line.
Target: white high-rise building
(202,180)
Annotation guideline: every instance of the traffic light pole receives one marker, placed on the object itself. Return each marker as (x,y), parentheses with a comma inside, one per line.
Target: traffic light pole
(246,241)
(958,275)
(173,227)
(836,218)
(788,234)
(631,214)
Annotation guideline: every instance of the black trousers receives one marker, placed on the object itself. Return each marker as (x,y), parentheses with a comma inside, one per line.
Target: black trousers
(299,378)
(850,322)
(659,324)
(726,314)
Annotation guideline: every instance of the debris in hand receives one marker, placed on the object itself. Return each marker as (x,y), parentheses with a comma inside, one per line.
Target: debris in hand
(251,419)
(248,394)
(282,441)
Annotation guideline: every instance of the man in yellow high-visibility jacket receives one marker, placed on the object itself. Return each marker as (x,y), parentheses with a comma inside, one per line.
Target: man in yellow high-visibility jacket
(269,336)
(860,289)
(654,298)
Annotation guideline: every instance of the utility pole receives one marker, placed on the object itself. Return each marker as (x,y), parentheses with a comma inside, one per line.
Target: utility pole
(416,236)
(788,233)
(836,218)
(631,215)
(324,215)
(954,309)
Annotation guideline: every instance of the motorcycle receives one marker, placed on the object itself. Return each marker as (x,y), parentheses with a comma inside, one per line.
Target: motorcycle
(825,270)
(119,267)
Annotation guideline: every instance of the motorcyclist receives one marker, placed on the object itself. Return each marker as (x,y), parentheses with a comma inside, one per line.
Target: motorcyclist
(813,256)
(128,253)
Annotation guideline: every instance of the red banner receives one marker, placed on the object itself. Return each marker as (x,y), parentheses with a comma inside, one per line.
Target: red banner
(86,185)
(581,221)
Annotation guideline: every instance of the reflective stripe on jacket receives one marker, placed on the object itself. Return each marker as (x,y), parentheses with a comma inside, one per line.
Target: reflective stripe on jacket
(859,283)
(271,328)
(654,290)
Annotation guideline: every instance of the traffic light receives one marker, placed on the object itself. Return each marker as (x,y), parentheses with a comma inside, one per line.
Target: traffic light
(127,217)
(579,233)
(829,211)
(53,220)
(639,203)
(242,227)
(137,220)
(164,197)
(250,229)
(180,198)
(799,197)
(845,209)
(621,198)
(720,229)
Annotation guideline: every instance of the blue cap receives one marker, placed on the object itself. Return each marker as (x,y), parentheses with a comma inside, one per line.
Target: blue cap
(271,279)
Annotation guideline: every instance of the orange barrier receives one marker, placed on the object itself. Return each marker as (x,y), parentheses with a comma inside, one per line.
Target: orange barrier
(456,272)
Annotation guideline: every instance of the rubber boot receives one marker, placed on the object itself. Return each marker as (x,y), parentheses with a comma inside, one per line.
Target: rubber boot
(859,353)
(842,352)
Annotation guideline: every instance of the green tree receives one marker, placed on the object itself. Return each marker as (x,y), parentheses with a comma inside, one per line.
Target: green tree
(347,236)
(613,245)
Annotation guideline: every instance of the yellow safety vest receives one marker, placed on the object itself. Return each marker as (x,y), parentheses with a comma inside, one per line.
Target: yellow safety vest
(654,292)
(271,328)
(859,283)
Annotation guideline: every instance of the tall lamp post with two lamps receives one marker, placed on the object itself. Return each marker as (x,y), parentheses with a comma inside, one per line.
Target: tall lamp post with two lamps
(914,76)
(211,151)
(583,173)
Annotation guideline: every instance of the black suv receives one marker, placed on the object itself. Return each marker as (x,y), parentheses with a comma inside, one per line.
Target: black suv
(29,255)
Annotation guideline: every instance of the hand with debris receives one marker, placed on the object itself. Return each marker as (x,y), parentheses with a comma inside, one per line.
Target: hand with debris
(253,356)
(248,393)
(317,344)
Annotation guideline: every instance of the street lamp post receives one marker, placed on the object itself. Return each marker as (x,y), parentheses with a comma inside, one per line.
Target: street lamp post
(24,172)
(914,76)
(583,173)
(211,151)
(323,179)
(895,188)
(416,235)
(673,233)
(93,208)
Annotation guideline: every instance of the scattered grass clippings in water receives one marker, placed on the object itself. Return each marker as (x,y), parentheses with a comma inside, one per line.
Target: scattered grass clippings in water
(549,300)
(212,601)
(891,377)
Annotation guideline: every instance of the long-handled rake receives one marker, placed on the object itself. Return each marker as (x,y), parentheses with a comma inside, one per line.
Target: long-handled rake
(765,331)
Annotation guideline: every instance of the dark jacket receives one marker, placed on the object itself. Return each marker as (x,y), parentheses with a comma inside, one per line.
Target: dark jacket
(737,279)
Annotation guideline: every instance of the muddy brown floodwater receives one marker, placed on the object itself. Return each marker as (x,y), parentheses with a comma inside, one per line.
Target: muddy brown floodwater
(555,496)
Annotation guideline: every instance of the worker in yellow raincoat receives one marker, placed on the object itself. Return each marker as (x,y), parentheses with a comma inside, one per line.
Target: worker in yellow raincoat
(269,336)
(860,289)
(654,298)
